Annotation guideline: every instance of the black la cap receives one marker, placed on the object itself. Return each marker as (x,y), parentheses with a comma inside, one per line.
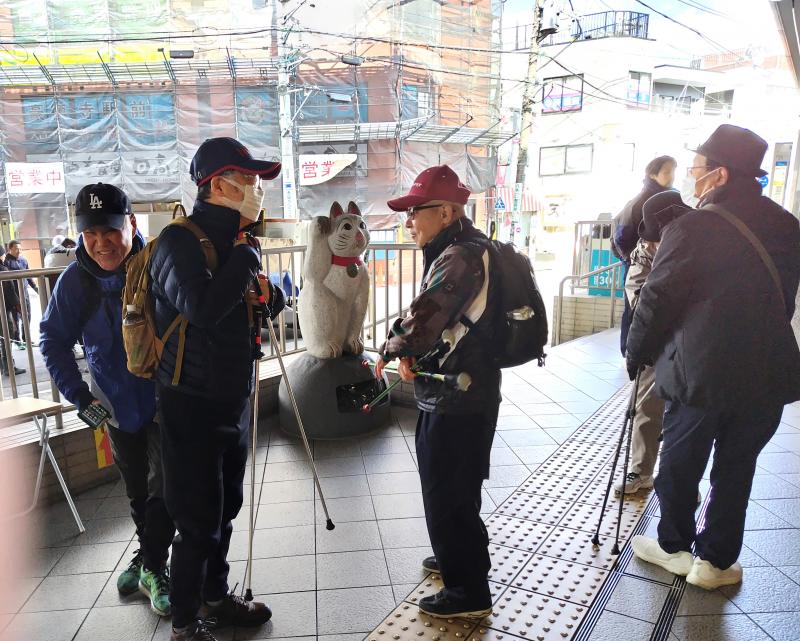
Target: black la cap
(101,204)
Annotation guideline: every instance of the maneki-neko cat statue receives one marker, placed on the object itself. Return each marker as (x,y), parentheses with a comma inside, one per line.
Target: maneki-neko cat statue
(332,380)
(335,283)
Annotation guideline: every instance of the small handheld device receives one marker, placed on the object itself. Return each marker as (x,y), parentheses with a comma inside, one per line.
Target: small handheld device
(94,415)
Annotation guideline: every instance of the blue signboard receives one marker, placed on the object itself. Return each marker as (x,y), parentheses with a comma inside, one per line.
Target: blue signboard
(600,285)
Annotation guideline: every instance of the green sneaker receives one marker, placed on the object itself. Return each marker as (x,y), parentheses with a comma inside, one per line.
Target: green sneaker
(128,581)
(156,586)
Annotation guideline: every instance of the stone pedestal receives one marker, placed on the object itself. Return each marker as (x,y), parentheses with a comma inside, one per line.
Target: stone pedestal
(330,394)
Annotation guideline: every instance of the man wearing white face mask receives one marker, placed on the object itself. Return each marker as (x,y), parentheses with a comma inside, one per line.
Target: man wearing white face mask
(205,403)
(714,316)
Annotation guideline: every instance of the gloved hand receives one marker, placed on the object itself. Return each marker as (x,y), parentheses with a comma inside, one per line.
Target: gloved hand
(633,366)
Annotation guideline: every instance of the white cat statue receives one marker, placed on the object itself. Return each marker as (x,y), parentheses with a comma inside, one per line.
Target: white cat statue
(333,303)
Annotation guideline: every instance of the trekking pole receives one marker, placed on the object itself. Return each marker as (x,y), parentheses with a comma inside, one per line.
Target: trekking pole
(628,412)
(461,381)
(257,353)
(632,415)
(328,522)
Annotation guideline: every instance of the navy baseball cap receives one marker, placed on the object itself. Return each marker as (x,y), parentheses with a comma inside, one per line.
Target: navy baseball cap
(101,204)
(217,155)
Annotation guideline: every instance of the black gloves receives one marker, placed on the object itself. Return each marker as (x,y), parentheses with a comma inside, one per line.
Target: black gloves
(634,366)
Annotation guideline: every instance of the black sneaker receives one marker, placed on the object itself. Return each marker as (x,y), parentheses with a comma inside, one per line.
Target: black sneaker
(236,611)
(197,631)
(445,605)
(430,565)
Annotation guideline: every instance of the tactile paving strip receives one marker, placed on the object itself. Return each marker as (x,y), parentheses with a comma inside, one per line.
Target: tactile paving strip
(585,518)
(516,533)
(561,579)
(506,563)
(534,507)
(544,575)
(534,616)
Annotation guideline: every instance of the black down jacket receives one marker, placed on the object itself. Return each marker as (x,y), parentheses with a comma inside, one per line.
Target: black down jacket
(711,316)
(218,356)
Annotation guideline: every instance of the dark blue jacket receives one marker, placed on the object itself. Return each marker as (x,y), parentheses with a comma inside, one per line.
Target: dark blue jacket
(20,264)
(218,355)
(132,399)
(626,231)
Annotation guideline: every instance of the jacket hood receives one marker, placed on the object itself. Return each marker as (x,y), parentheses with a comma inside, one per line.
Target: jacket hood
(94,269)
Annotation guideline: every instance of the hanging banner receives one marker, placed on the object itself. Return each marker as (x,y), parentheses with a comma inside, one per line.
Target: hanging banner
(319,168)
(35,177)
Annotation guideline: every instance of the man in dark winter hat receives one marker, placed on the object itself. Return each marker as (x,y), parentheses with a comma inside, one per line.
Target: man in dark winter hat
(714,316)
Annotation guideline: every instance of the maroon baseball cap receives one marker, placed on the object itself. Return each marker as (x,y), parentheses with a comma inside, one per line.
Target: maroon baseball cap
(435,183)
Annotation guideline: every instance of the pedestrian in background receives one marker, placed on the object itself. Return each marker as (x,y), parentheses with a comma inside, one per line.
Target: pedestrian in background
(658,176)
(15,261)
(11,301)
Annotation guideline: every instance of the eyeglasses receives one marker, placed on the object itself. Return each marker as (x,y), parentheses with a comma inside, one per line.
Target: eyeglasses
(411,212)
(689,169)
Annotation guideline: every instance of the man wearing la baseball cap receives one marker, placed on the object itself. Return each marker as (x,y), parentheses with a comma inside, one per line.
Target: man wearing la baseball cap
(456,292)
(86,303)
(204,403)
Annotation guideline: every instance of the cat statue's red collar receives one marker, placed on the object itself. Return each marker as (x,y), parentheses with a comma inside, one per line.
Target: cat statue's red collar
(352,263)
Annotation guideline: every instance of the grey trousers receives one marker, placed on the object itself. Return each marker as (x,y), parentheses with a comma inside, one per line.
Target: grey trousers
(646,425)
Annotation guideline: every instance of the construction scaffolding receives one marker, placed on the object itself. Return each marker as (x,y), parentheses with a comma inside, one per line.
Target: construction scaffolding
(124,92)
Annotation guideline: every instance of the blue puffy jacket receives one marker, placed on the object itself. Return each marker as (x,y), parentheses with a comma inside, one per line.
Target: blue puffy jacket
(132,399)
(218,353)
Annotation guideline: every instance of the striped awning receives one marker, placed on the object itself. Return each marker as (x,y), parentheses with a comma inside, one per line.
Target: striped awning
(530,200)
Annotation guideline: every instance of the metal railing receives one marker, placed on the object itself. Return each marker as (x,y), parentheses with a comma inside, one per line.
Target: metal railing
(394,273)
(606,24)
(615,274)
(592,247)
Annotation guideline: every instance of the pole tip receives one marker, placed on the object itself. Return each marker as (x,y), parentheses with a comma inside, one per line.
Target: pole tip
(366,409)
(329,525)
(248,595)
(615,549)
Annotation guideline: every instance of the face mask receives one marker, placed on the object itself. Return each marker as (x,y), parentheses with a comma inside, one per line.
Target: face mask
(250,206)
(689,187)
(687,192)
(703,195)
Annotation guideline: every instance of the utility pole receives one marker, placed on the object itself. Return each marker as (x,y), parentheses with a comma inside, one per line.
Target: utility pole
(528,100)
(285,120)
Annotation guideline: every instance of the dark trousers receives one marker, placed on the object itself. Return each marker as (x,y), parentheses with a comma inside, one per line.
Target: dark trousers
(205,454)
(453,455)
(689,434)
(138,458)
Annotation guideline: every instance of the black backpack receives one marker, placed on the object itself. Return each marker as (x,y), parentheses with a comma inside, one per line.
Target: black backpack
(519,333)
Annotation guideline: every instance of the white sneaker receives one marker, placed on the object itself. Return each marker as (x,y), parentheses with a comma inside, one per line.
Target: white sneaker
(633,483)
(649,550)
(706,576)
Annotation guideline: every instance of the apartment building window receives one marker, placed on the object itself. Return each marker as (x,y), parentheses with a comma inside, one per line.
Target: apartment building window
(565,159)
(639,89)
(562,94)
(416,102)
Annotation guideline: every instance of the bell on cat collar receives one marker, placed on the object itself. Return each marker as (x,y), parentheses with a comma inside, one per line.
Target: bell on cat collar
(352,270)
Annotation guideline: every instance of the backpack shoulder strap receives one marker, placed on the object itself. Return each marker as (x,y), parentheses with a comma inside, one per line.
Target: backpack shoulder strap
(208,247)
(94,296)
(745,231)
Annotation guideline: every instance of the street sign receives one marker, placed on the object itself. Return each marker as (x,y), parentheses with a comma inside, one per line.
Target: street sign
(763,181)
(499,204)
(518,197)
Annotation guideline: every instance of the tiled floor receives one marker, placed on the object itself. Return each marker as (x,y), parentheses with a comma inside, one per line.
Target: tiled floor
(340,585)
